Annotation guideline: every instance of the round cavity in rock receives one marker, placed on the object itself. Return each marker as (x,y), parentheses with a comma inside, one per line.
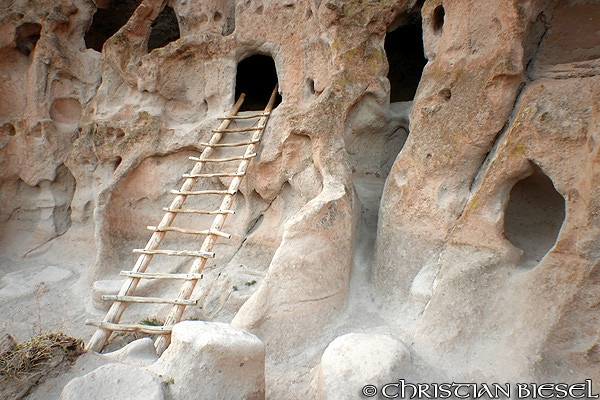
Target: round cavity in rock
(66,110)
(534,216)
(445,94)
(7,129)
(217,17)
(36,131)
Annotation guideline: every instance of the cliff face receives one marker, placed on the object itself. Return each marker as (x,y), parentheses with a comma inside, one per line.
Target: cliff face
(475,123)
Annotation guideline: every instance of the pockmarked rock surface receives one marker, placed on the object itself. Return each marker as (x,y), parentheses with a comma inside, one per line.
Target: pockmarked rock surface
(430,173)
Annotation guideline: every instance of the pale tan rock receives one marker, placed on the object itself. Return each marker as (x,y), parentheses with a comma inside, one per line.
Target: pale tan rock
(212,360)
(355,360)
(115,381)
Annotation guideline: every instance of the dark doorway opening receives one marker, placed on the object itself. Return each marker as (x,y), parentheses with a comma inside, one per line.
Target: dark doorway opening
(534,215)
(108,20)
(406,59)
(438,18)
(256,77)
(27,36)
(165,29)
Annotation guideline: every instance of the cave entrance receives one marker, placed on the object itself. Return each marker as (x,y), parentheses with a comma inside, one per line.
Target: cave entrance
(534,215)
(113,14)
(256,77)
(108,19)
(26,37)
(165,29)
(406,58)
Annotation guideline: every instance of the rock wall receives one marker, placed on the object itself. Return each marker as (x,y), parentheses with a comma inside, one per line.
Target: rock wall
(481,256)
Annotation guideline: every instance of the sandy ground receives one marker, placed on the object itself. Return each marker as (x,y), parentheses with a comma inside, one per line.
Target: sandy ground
(47,290)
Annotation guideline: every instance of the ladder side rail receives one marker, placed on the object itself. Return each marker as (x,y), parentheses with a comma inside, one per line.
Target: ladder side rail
(198,265)
(116,310)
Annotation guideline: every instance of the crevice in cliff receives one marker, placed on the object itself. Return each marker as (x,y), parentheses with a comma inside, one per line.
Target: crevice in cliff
(256,77)
(572,34)
(487,159)
(374,149)
(539,31)
(406,59)
(534,216)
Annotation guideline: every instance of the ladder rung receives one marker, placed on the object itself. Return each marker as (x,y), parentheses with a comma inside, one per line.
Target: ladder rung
(239,130)
(223,159)
(189,231)
(158,300)
(156,330)
(207,212)
(199,192)
(215,175)
(266,114)
(236,144)
(159,275)
(182,253)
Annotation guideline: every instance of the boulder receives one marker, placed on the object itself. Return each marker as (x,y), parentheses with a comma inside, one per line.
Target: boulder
(354,360)
(212,360)
(115,381)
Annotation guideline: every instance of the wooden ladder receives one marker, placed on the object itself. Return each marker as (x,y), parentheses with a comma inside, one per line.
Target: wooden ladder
(200,257)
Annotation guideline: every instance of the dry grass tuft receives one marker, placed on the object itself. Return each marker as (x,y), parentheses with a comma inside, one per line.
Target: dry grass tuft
(29,363)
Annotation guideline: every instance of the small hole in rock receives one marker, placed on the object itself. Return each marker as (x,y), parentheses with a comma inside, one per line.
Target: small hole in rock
(8,129)
(117,162)
(310,84)
(445,94)
(27,36)
(438,18)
